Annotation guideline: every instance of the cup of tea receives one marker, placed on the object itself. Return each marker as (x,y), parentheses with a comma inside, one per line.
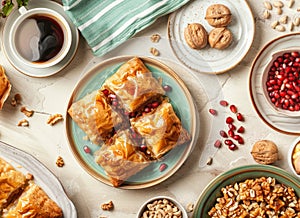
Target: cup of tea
(40,37)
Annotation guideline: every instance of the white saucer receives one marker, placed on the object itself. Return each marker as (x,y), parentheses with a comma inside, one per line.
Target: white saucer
(33,71)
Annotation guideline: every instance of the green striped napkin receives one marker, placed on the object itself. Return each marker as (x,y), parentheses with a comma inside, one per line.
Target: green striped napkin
(105,24)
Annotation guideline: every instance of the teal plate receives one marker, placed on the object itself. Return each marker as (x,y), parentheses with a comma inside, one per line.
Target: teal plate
(183,105)
(208,197)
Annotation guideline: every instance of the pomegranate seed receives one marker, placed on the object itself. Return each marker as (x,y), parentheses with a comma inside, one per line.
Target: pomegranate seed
(223,134)
(167,88)
(228,142)
(162,167)
(231,133)
(143,148)
(105,92)
(233,108)
(213,111)
(241,129)
(155,104)
(240,117)
(236,137)
(224,103)
(218,143)
(147,110)
(231,126)
(241,141)
(112,96)
(233,147)
(87,149)
(229,120)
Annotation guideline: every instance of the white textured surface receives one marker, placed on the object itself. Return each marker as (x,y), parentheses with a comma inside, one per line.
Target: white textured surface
(51,95)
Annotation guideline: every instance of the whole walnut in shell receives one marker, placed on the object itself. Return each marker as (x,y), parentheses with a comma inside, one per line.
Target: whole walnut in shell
(5,87)
(195,36)
(265,152)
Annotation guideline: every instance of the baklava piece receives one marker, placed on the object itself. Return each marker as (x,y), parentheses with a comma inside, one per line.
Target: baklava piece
(121,159)
(96,117)
(134,85)
(161,129)
(33,203)
(12,184)
(5,87)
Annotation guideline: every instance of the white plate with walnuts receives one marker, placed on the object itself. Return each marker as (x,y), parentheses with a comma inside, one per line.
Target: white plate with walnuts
(209,58)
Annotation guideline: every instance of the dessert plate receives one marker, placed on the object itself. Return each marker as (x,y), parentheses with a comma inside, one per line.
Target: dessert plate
(26,163)
(209,60)
(182,103)
(277,121)
(41,72)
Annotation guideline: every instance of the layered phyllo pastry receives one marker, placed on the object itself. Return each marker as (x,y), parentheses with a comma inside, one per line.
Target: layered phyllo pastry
(33,203)
(161,129)
(134,85)
(21,197)
(121,158)
(96,117)
(5,87)
(12,184)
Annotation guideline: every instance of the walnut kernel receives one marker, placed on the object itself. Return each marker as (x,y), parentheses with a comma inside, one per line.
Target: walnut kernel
(108,206)
(27,112)
(55,118)
(23,123)
(60,161)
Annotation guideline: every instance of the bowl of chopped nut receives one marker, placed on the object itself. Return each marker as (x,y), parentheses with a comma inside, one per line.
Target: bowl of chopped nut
(246,192)
(294,157)
(162,206)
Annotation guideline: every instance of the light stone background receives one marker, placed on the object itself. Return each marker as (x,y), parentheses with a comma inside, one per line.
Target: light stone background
(52,94)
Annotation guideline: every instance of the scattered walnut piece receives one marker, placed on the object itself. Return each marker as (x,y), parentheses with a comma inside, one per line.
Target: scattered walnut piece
(23,123)
(154,51)
(55,118)
(265,152)
(155,38)
(27,112)
(16,100)
(108,206)
(29,176)
(190,207)
(60,161)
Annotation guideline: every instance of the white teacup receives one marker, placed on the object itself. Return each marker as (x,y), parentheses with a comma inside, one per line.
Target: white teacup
(40,37)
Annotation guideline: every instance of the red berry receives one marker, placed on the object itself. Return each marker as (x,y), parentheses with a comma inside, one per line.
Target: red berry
(213,111)
(229,120)
(218,143)
(241,129)
(224,103)
(223,134)
(233,108)
(240,117)
(87,149)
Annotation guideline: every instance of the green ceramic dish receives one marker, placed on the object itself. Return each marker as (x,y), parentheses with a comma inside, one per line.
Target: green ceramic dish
(179,97)
(208,197)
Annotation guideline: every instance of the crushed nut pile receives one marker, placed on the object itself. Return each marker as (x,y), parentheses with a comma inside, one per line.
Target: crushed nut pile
(261,197)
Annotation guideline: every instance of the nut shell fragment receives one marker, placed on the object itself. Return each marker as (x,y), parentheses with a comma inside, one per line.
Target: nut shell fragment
(220,38)
(5,87)
(218,15)
(195,35)
(265,152)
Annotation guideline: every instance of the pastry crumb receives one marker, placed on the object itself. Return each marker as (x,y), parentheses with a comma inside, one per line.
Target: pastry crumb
(28,113)
(29,176)
(23,123)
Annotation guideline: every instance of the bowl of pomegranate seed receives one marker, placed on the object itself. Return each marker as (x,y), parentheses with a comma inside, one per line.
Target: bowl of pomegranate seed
(281,82)
(294,157)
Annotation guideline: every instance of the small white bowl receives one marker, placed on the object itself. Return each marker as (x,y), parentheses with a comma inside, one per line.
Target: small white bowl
(274,56)
(291,153)
(152,200)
